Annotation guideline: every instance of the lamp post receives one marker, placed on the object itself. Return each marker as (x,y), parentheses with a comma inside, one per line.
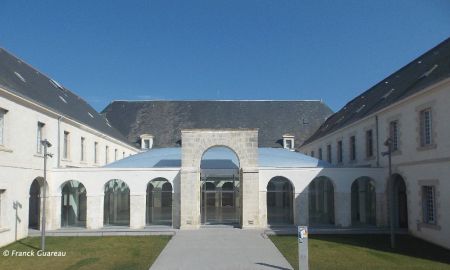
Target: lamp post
(388,153)
(46,145)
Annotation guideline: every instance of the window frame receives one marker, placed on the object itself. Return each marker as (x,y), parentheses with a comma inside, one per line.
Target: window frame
(329,154)
(83,148)
(426,127)
(352,146)
(66,145)
(39,137)
(394,135)
(427,191)
(106,154)
(369,144)
(340,156)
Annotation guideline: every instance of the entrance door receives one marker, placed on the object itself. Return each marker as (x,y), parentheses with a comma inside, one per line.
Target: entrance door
(219,200)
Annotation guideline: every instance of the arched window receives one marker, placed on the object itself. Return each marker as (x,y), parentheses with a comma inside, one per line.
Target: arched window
(73,204)
(363,202)
(321,201)
(400,201)
(34,209)
(280,197)
(219,186)
(159,202)
(116,203)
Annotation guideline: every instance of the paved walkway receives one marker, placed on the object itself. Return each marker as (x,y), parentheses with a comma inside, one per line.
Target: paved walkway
(220,248)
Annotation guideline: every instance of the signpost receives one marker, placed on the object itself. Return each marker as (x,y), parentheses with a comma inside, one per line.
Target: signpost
(303,261)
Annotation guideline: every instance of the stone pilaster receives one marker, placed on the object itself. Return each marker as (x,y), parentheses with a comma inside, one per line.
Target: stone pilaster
(94,214)
(190,199)
(342,206)
(137,211)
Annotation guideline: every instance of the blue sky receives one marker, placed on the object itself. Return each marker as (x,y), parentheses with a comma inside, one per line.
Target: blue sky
(221,49)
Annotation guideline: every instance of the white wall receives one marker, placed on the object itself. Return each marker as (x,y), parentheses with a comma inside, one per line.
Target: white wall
(412,162)
(342,179)
(20,163)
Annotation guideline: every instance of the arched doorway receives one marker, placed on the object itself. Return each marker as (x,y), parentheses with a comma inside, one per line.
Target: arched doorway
(116,203)
(363,201)
(159,202)
(73,204)
(321,201)
(219,187)
(400,201)
(35,203)
(280,196)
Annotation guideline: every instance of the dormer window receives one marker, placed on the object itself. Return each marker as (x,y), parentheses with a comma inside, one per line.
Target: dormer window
(146,141)
(288,141)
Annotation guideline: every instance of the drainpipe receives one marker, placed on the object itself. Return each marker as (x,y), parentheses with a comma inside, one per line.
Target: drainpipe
(378,141)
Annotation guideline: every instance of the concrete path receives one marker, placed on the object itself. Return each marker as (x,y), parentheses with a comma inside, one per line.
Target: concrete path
(220,248)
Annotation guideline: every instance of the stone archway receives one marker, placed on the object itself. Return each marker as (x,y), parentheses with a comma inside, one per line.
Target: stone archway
(244,142)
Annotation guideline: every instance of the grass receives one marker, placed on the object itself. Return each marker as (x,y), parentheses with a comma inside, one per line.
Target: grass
(365,252)
(119,252)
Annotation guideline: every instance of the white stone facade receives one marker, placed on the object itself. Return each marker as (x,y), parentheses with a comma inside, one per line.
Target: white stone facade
(417,165)
(20,162)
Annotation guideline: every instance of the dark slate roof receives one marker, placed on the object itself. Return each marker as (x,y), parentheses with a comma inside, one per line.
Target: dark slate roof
(426,70)
(21,79)
(165,119)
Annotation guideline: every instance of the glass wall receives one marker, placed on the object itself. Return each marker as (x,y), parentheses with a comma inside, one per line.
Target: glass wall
(73,204)
(220,200)
(279,201)
(116,203)
(159,202)
(321,201)
(219,187)
(400,201)
(363,202)
(34,208)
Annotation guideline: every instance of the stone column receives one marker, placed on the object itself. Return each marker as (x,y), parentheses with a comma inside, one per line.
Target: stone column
(53,212)
(190,198)
(94,211)
(250,197)
(342,209)
(137,210)
(381,209)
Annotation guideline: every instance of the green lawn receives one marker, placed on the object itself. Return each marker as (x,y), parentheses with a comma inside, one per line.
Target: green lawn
(365,252)
(120,252)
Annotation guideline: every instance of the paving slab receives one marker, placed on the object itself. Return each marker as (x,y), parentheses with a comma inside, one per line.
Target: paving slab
(220,248)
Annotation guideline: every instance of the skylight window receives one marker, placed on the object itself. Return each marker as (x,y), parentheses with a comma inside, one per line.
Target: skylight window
(388,93)
(56,84)
(360,108)
(340,119)
(107,122)
(61,98)
(426,74)
(19,76)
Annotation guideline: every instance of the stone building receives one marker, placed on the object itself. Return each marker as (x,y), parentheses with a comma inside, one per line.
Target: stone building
(251,164)
(411,107)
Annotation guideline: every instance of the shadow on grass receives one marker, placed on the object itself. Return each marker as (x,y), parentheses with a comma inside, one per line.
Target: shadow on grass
(405,245)
(35,246)
(82,263)
(272,266)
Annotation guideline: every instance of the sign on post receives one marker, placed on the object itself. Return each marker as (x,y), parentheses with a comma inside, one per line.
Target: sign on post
(303,261)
